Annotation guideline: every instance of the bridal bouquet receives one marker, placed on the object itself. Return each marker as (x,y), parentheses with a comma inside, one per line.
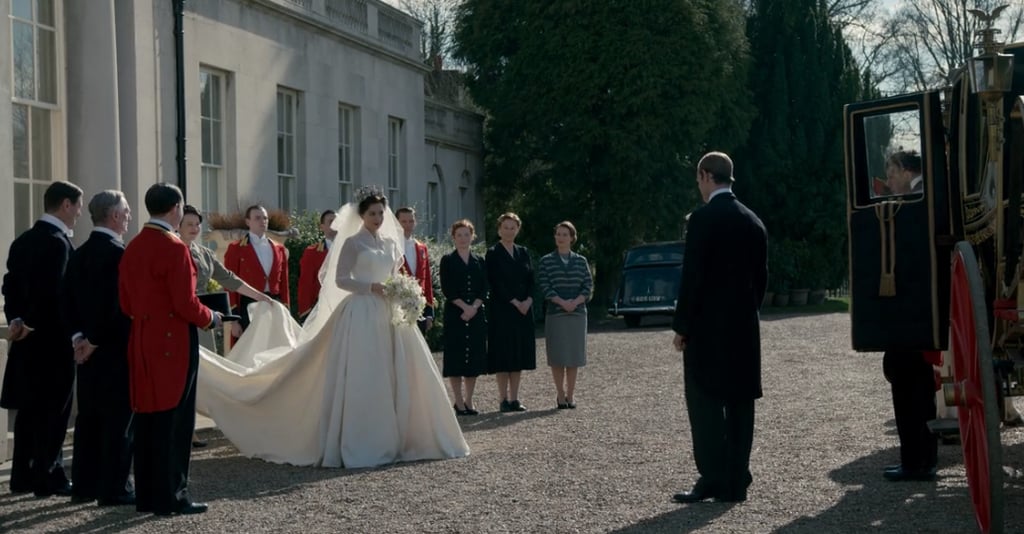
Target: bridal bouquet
(406,298)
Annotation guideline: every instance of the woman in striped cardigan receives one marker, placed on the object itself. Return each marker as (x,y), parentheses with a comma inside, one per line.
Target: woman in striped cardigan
(564,279)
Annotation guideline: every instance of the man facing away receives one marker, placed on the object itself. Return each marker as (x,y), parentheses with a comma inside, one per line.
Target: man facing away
(417,265)
(103,433)
(717,325)
(40,370)
(260,262)
(156,285)
(309,265)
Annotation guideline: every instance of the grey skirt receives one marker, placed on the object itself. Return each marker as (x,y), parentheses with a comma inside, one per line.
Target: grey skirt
(566,339)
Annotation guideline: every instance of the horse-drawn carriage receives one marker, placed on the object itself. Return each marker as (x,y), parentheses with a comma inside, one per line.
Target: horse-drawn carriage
(935,252)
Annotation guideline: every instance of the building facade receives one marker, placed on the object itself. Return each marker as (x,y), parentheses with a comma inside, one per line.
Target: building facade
(290,103)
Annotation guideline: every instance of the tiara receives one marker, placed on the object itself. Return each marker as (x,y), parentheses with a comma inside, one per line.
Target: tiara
(367,191)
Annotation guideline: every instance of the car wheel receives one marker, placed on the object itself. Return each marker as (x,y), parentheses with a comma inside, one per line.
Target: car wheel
(632,321)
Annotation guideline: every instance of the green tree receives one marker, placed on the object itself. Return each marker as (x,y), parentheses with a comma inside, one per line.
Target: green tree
(597,112)
(792,167)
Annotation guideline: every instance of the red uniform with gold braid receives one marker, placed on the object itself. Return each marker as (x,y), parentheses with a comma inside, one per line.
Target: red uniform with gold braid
(241,259)
(309,275)
(156,287)
(422,276)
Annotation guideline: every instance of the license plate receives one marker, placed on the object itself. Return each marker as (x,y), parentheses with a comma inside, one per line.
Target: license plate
(647,299)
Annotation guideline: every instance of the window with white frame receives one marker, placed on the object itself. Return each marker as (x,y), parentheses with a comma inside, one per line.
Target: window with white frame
(346,151)
(287,151)
(34,126)
(433,208)
(211,117)
(395,155)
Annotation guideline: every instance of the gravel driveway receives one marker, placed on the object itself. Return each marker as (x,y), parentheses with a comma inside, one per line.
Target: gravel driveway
(824,433)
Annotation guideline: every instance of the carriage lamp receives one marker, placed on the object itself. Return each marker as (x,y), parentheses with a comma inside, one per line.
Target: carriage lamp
(991,72)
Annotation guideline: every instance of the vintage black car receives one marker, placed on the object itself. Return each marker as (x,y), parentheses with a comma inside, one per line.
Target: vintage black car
(650,281)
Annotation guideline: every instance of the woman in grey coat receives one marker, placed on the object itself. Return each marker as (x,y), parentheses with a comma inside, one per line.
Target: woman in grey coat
(564,279)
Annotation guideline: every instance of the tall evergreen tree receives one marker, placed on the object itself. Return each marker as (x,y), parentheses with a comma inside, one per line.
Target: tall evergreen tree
(597,111)
(802,75)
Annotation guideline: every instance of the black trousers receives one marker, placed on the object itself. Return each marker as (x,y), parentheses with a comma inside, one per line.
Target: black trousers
(163,447)
(913,403)
(723,434)
(38,460)
(243,308)
(104,438)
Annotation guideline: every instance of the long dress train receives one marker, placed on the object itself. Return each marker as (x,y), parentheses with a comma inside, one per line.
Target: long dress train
(358,392)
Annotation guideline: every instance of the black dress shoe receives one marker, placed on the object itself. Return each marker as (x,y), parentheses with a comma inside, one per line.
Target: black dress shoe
(470,411)
(63,490)
(120,500)
(562,405)
(688,497)
(516,406)
(570,404)
(81,499)
(199,444)
(901,474)
(186,508)
(505,406)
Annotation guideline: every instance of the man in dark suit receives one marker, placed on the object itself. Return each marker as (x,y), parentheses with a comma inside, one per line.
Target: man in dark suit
(717,325)
(903,173)
(156,286)
(40,369)
(103,434)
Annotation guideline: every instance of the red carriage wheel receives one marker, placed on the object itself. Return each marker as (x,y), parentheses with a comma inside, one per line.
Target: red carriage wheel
(976,387)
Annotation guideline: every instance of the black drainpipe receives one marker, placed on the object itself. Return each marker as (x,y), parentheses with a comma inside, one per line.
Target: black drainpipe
(179,89)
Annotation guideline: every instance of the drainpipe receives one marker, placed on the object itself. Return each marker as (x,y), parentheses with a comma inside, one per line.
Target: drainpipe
(179,90)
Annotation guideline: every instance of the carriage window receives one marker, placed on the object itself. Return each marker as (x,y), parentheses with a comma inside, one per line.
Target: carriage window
(893,153)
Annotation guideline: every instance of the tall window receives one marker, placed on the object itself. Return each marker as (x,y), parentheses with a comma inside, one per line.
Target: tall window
(211,113)
(34,60)
(433,208)
(395,155)
(463,197)
(287,176)
(346,163)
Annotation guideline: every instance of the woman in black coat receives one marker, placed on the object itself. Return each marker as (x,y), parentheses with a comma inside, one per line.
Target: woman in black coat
(511,344)
(464,283)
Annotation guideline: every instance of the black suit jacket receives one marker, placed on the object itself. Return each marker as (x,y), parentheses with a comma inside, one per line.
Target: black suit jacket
(90,299)
(40,367)
(725,273)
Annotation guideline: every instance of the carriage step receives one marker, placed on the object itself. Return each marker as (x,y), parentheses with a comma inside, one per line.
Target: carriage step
(946,426)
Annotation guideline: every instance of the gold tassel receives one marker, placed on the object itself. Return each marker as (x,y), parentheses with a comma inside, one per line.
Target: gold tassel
(886,215)
(887,285)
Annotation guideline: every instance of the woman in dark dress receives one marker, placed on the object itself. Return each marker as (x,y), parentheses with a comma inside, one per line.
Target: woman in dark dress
(511,346)
(464,284)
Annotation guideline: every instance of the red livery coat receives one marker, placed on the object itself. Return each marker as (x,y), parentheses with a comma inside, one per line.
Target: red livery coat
(422,276)
(156,287)
(309,280)
(241,259)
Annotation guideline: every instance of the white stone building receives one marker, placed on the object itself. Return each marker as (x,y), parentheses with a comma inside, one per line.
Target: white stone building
(291,103)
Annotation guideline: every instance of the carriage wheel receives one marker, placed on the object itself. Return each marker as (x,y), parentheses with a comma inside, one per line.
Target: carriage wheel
(975,389)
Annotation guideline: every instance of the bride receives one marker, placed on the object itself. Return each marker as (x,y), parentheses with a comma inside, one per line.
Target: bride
(347,389)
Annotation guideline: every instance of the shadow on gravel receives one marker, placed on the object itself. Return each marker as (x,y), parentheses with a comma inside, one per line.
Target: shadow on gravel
(688,518)
(492,420)
(873,504)
(114,520)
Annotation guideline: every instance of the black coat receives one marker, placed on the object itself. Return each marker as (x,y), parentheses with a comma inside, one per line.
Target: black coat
(725,274)
(91,307)
(511,338)
(40,368)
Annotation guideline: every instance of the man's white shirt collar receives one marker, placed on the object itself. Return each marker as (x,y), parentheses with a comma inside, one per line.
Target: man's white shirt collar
(46,217)
(108,231)
(717,192)
(162,224)
(258,239)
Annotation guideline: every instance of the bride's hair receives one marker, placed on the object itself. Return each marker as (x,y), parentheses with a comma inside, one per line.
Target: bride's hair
(365,203)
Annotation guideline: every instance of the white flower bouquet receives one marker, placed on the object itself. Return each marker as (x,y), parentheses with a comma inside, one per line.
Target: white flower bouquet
(406,298)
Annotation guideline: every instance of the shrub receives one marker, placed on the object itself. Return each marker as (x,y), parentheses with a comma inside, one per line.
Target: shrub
(305,231)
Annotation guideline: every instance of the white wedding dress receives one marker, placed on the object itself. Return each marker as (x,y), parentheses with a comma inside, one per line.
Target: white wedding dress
(348,388)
